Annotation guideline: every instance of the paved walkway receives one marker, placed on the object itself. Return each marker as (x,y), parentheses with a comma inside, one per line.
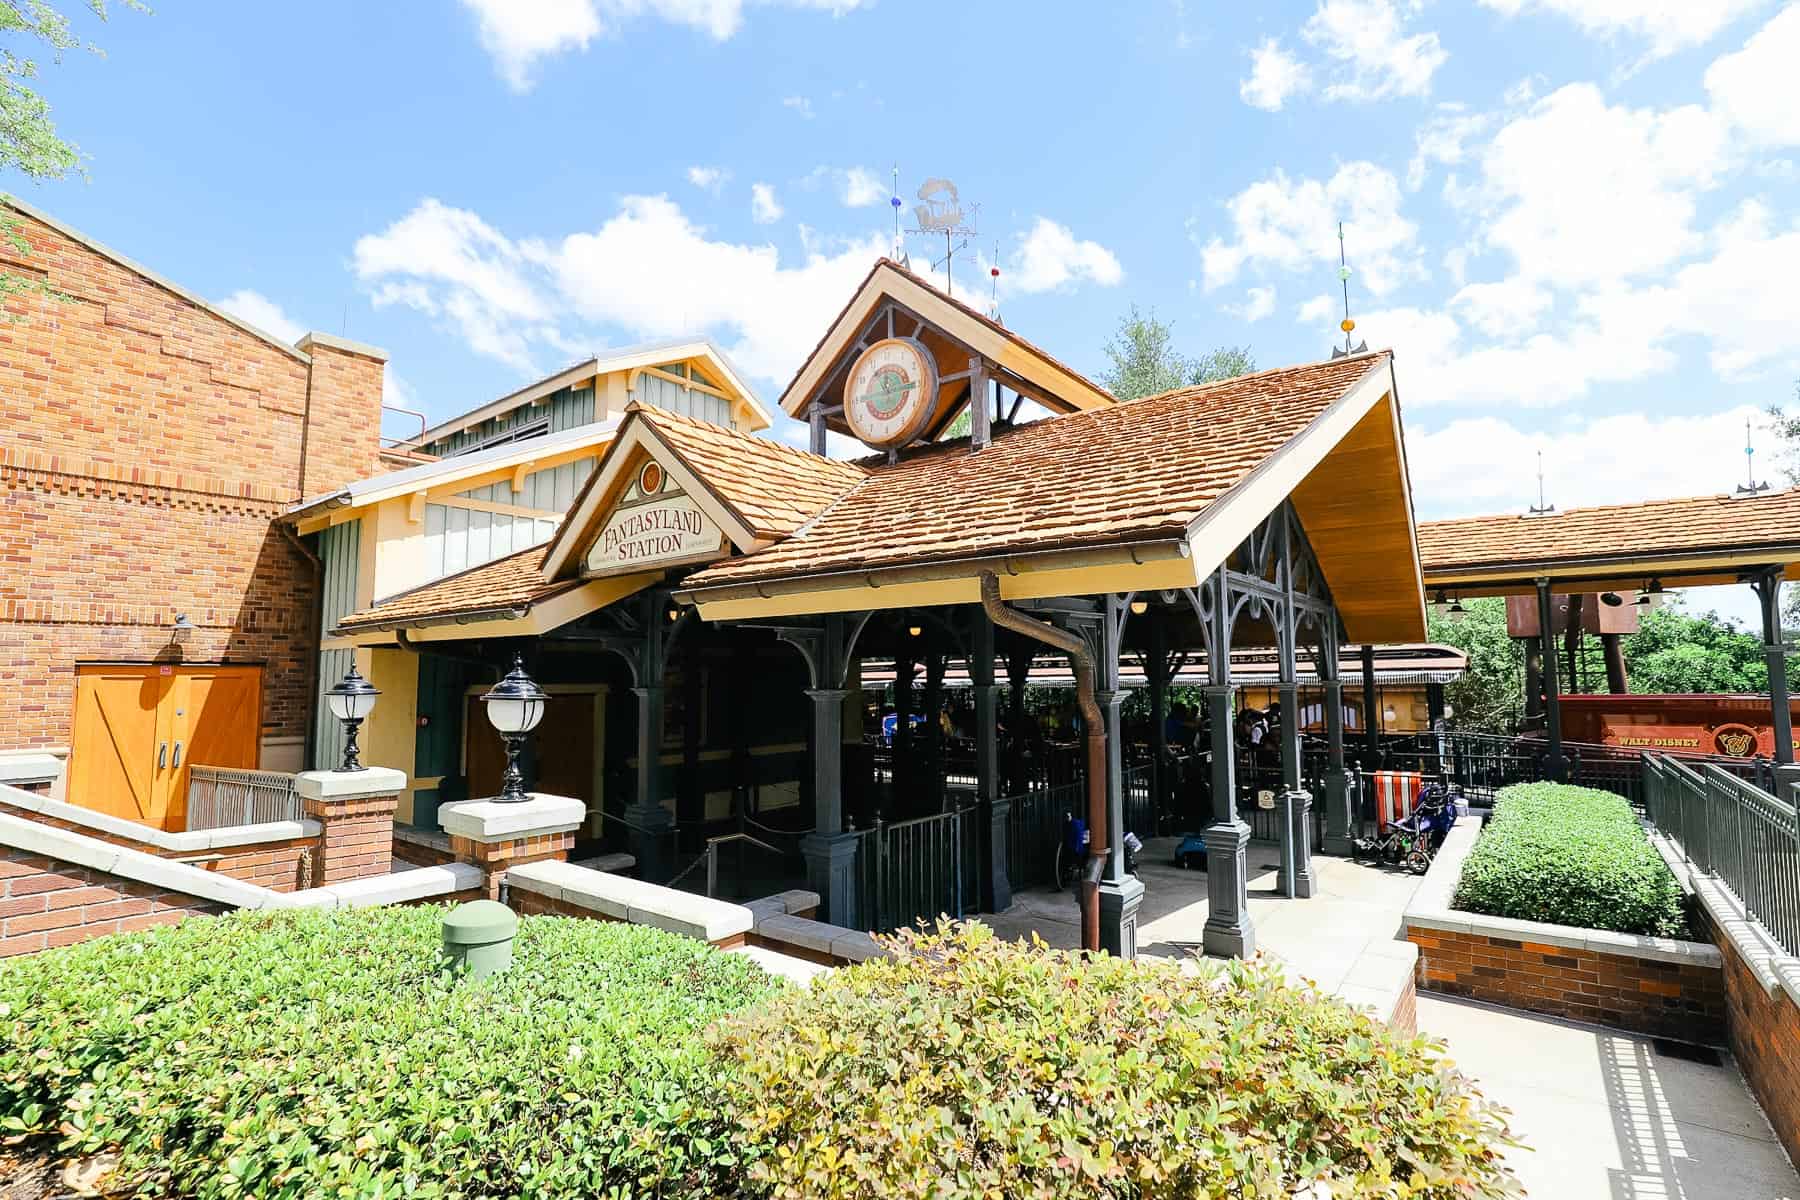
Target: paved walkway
(1609,1116)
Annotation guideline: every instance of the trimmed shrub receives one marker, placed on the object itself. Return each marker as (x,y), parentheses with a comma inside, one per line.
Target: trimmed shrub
(308,1054)
(1570,856)
(964,1067)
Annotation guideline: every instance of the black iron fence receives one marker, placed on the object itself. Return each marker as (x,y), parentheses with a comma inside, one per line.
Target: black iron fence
(1730,828)
(1034,828)
(917,870)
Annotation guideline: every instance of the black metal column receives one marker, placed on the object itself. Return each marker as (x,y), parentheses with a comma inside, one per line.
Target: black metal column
(1555,766)
(1120,893)
(995,810)
(1228,930)
(1768,590)
(650,824)
(1340,825)
(1371,712)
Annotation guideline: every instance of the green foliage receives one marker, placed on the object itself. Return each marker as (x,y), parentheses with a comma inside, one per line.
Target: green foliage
(1145,361)
(967,1067)
(1490,696)
(324,1054)
(1678,652)
(1570,856)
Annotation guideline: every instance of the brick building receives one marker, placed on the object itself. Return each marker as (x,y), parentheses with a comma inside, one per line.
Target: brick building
(148,441)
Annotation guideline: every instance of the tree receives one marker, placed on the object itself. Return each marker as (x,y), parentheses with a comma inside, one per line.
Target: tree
(1678,653)
(1145,361)
(29,143)
(1787,428)
(1490,696)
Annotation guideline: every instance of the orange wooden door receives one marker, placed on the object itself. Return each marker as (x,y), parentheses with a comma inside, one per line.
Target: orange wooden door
(215,721)
(120,720)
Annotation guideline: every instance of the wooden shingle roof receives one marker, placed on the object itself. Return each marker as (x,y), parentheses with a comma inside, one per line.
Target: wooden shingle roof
(1137,471)
(1652,529)
(504,587)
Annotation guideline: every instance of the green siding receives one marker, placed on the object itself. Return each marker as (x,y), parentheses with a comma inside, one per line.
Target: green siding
(339,548)
(564,409)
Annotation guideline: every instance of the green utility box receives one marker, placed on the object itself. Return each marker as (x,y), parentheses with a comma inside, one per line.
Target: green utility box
(480,934)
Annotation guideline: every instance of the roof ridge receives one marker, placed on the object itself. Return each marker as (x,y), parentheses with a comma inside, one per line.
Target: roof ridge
(657,416)
(1192,388)
(1725,497)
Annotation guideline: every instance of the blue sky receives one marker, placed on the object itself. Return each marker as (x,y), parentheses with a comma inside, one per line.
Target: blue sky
(1574,220)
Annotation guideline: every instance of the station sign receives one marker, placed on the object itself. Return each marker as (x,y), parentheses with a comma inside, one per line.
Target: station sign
(654,524)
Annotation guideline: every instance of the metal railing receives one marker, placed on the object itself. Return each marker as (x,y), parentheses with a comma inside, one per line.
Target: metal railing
(1733,830)
(1034,827)
(917,870)
(219,797)
(1141,816)
(709,858)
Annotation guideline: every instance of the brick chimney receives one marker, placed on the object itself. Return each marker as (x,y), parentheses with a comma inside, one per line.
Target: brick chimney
(342,441)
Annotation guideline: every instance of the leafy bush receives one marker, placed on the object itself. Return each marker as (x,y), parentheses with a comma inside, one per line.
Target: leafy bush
(323,1054)
(1570,856)
(966,1067)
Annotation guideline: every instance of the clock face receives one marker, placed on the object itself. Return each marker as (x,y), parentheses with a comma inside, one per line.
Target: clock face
(891,393)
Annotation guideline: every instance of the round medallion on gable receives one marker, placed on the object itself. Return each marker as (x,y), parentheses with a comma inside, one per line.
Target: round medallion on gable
(650,479)
(891,393)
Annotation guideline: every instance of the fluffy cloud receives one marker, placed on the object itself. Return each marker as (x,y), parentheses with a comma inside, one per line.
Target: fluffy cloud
(1375,56)
(1274,76)
(263,313)
(1665,27)
(1444,139)
(519,33)
(1049,257)
(1553,181)
(1259,302)
(765,209)
(1488,464)
(514,299)
(709,179)
(1291,225)
(1754,88)
(860,187)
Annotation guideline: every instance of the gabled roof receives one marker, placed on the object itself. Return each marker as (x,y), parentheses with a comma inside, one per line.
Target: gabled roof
(766,489)
(1136,471)
(1706,533)
(1027,367)
(626,358)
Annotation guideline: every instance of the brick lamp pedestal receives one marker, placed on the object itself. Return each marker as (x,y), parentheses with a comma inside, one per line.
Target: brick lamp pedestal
(494,836)
(355,812)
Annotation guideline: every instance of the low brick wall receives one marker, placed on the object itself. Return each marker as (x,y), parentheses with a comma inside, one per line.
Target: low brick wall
(1656,986)
(1683,1000)
(1765,1039)
(45,902)
(420,848)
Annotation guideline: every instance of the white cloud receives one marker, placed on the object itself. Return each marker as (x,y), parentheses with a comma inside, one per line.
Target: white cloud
(1579,191)
(1274,76)
(263,313)
(799,104)
(1755,88)
(860,187)
(1320,307)
(1378,59)
(1665,25)
(516,299)
(1259,302)
(1507,308)
(765,209)
(709,179)
(1443,139)
(1291,225)
(1049,257)
(1489,464)
(519,33)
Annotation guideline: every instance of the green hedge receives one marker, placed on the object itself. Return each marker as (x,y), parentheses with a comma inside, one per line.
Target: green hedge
(303,1055)
(1570,856)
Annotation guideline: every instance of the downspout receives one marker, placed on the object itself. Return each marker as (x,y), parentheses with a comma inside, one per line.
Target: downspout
(1094,732)
(318,621)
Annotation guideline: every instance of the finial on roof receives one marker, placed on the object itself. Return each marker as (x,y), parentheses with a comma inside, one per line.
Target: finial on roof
(1348,324)
(1541,509)
(894,200)
(994,292)
(1750,487)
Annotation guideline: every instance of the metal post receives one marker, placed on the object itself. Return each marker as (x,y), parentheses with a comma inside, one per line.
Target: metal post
(1156,664)
(830,852)
(1371,711)
(1228,930)
(995,810)
(1120,893)
(1554,764)
(651,823)
(1768,590)
(1340,826)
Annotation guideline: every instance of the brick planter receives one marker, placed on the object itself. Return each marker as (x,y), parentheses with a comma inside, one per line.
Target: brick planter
(1656,986)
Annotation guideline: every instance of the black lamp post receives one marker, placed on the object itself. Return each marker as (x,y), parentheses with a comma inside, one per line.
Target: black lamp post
(515,705)
(351,699)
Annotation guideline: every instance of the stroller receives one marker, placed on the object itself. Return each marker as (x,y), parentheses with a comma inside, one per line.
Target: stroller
(1412,840)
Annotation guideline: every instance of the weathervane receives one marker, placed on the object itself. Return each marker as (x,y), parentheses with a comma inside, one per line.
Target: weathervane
(994,277)
(894,200)
(940,210)
(1750,487)
(1540,508)
(1348,324)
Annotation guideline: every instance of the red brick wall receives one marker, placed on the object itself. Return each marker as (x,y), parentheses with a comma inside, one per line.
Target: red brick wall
(45,903)
(283,866)
(145,445)
(357,838)
(1685,1001)
(1765,1039)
